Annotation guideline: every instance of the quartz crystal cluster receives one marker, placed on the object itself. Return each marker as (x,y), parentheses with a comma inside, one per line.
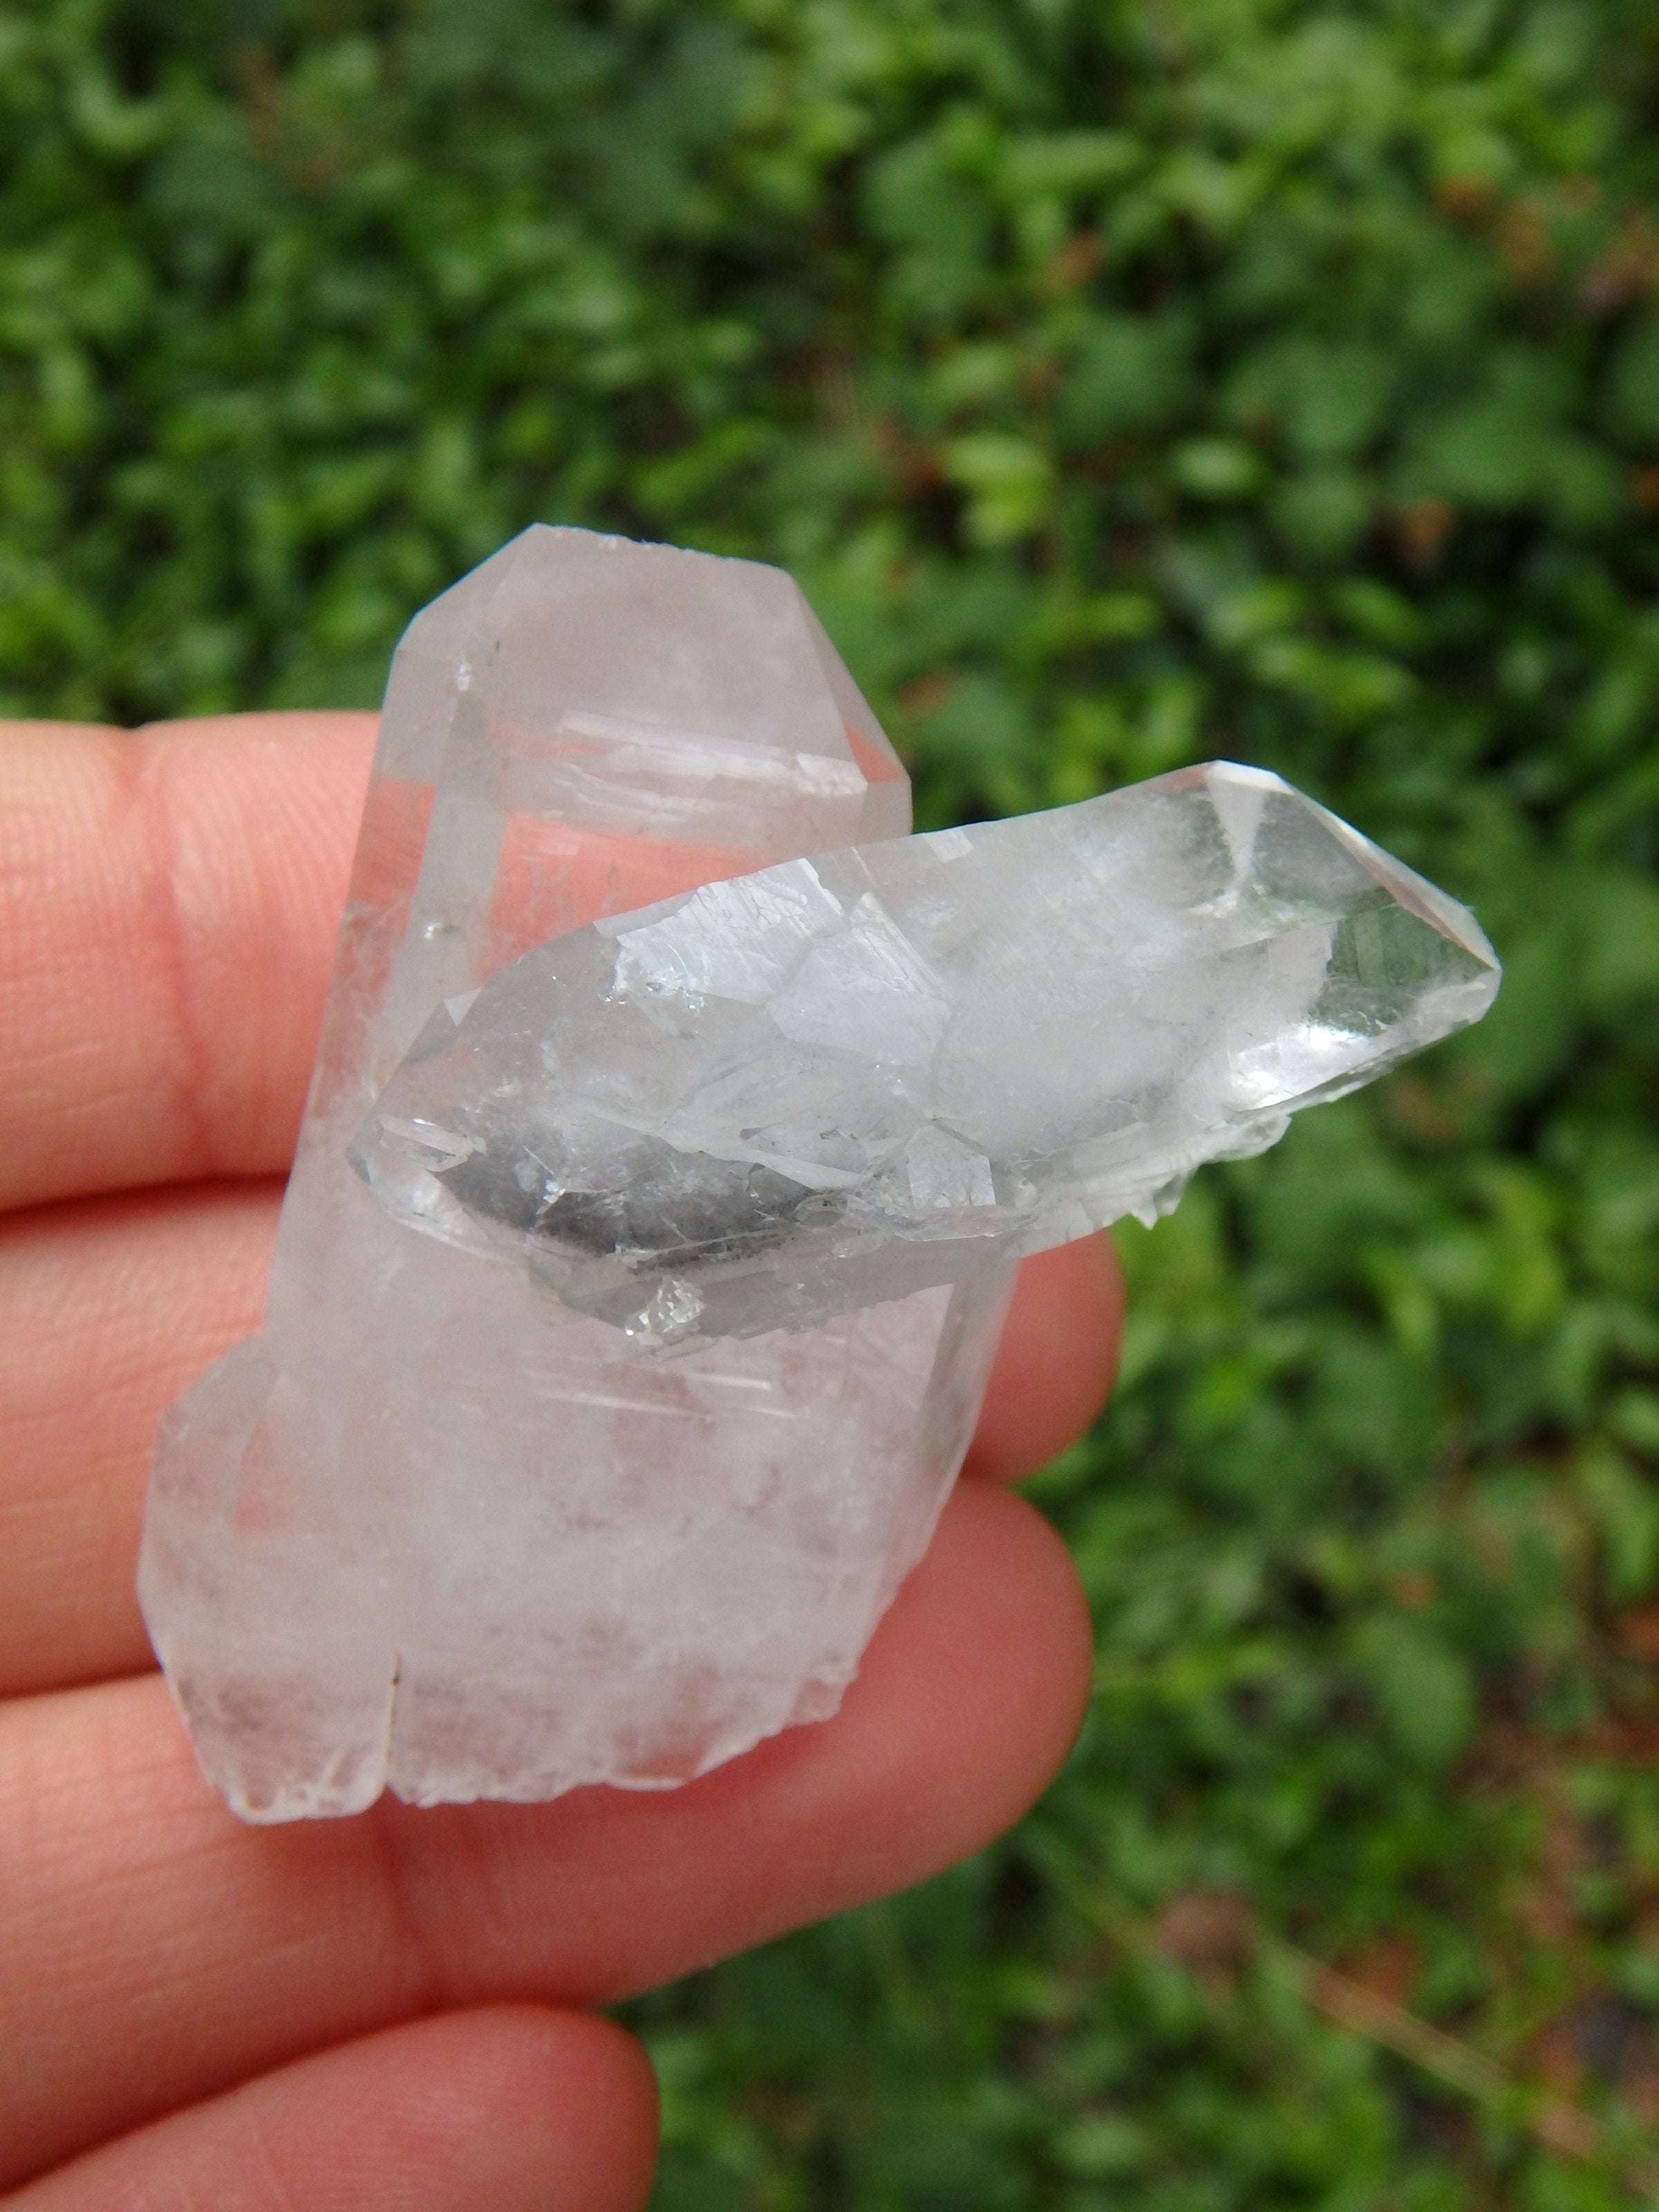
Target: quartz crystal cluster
(651,1033)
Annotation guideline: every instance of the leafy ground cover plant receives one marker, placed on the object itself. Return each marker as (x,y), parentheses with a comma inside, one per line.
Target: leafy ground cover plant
(1128,383)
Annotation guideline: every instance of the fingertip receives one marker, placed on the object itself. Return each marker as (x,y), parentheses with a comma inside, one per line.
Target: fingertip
(1054,1365)
(967,1703)
(579,2093)
(1028,1610)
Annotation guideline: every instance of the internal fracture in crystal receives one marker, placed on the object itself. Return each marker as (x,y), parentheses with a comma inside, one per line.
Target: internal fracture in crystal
(450,1525)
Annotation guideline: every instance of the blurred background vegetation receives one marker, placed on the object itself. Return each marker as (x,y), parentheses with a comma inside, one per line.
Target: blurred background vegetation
(1127,384)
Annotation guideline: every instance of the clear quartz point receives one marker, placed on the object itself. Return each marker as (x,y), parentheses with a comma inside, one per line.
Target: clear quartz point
(440,1527)
(846,1078)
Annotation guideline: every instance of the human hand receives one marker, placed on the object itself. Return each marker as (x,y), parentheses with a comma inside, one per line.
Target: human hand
(383,2012)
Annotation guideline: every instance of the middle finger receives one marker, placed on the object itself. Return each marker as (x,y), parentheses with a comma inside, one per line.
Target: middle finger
(107,1309)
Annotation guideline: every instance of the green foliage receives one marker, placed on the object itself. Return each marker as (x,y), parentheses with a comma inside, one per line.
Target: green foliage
(1127,383)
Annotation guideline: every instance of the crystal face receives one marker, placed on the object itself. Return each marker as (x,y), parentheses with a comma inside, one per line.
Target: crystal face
(448,1525)
(848,1077)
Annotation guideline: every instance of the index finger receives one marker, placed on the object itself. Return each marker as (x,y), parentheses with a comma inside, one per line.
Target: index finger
(168,902)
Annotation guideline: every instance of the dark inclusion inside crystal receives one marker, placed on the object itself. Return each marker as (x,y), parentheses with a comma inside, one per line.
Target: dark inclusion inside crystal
(670,1208)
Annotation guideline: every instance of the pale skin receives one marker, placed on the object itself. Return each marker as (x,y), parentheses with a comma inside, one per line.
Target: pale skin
(391,2014)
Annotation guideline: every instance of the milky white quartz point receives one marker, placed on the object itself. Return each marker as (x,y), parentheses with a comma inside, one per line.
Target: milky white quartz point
(434,1529)
(846,1078)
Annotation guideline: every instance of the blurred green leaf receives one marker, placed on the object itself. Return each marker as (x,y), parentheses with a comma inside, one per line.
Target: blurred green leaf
(1422,1686)
(1217,468)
